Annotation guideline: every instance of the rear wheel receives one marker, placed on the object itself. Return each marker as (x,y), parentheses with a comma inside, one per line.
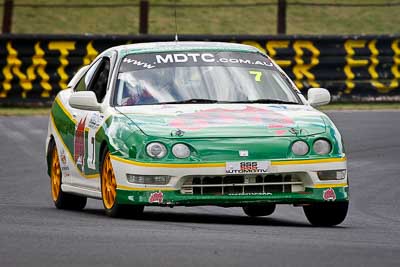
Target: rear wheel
(259,210)
(61,199)
(326,214)
(109,192)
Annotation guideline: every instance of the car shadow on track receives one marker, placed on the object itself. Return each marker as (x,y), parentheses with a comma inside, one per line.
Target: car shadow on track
(203,218)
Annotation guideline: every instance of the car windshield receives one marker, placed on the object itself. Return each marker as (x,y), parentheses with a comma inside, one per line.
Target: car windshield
(201,77)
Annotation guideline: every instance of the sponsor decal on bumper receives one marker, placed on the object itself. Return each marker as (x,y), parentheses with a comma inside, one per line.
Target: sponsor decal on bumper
(156,197)
(329,195)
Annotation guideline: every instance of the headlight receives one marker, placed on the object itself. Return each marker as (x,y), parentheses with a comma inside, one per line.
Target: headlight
(156,150)
(332,175)
(300,148)
(181,151)
(322,147)
(148,179)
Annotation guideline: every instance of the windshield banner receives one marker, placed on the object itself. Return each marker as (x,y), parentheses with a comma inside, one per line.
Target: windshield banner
(135,62)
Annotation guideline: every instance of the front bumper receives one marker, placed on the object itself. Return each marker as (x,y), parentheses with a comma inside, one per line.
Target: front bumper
(311,190)
(175,198)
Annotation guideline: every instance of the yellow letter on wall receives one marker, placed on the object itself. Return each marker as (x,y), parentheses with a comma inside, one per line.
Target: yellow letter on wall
(63,47)
(394,83)
(349,46)
(302,70)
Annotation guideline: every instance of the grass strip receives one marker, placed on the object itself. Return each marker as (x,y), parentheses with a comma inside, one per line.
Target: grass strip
(14,111)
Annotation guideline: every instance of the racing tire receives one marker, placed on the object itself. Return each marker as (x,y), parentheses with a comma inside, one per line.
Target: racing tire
(109,192)
(326,214)
(259,210)
(62,200)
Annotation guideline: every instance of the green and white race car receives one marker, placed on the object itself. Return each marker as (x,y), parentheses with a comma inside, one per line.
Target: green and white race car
(194,123)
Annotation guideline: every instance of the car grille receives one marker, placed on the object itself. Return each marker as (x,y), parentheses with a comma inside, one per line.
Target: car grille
(239,184)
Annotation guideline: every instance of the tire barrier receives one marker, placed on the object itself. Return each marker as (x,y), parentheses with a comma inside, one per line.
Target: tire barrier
(357,67)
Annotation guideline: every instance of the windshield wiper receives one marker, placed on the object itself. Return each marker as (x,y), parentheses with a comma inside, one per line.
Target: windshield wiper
(191,101)
(266,101)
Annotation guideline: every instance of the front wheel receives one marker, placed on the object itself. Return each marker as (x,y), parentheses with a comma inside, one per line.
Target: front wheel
(326,214)
(61,199)
(109,192)
(259,210)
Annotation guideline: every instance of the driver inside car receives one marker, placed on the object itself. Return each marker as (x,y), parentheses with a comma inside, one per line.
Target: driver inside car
(136,93)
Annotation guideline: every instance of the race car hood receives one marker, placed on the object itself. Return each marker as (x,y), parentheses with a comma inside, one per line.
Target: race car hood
(225,120)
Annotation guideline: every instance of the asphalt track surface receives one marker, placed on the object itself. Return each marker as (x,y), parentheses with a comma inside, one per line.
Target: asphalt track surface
(34,233)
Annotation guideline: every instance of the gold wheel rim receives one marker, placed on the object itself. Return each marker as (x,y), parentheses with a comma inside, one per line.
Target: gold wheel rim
(108,183)
(55,177)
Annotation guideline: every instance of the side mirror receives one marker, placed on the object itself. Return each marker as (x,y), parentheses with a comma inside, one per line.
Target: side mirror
(84,100)
(318,96)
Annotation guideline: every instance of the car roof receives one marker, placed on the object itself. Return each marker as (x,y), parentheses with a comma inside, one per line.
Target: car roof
(181,46)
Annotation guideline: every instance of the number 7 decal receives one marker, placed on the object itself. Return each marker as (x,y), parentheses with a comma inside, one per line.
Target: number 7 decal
(257,74)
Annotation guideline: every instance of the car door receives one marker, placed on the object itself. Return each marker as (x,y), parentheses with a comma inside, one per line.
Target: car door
(87,124)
